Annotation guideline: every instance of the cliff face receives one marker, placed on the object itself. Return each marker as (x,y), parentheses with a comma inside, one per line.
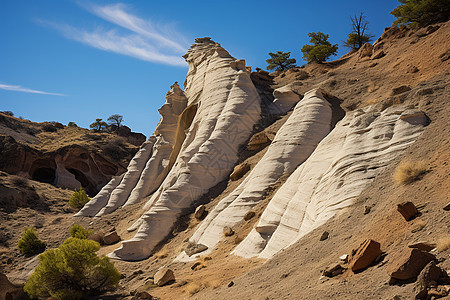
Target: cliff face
(222,106)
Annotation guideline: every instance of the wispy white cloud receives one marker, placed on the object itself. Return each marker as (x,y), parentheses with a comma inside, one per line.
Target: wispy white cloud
(132,36)
(18,88)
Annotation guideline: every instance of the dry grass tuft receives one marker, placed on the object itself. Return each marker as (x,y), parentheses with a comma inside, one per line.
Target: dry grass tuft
(163,253)
(193,288)
(409,171)
(443,243)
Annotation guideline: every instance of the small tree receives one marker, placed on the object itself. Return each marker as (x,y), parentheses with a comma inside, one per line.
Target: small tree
(79,232)
(115,120)
(29,244)
(98,125)
(72,124)
(321,48)
(359,35)
(79,199)
(421,12)
(72,271)
(280,61)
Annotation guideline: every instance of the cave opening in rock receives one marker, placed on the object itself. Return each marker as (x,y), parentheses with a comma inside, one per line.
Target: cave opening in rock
(80,177)
(46,175)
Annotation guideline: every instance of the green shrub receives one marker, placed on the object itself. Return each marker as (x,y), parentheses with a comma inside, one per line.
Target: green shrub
(280,61)
(421,12)
(321,48)
(30,244)
(72,124)
(72,271)
(79,199)
(79,232)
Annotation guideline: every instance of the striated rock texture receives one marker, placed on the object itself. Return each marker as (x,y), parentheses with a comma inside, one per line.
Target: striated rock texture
(341,166)
(221,109)
(150,165)
(309,123)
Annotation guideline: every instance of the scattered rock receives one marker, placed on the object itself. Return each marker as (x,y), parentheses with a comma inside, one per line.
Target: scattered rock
(199,212)
(400,90)
(435,293)
(258,141)
(431,28)
(378,55)
(447,207)
(368,252)
(193,248)
(197,266)
(408,210)
(249,215)
(408,264)
(142,295)
(324,236)
(111,238)
(424,246)
(428,278)
(412,69)
(228,231)
(231,284)
(367,209)
(164,276)
(334,271)
(239,171)
(373,64)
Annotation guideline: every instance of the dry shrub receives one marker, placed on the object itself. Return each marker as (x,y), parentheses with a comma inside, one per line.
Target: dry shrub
(193,288)
(443,243)
(409,171)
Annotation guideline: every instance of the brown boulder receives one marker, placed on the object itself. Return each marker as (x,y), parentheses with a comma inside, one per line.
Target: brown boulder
(424,246)
(258,141)
(365,255)
(408,264)
(324,236)
(163,276)
(378,55)
(239,171)
(193,248)
(334,271)
(365,50)
(228,231)
(429,277)
(111,238)
(199,212)
(400,90)
(249,215)
(447,207)
(408,210)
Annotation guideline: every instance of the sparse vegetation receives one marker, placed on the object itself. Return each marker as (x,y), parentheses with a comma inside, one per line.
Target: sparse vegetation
(72,124)
(359,35)
(321,48)
(409,171)
(29,244)
(280,61)
(99,125)
(421,12)
(115,120)
(443,243)
(8,112)
(73,271)
(79,232)
(79,199)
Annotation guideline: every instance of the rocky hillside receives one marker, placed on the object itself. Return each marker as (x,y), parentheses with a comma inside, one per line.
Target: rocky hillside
(68,157)
(281,185)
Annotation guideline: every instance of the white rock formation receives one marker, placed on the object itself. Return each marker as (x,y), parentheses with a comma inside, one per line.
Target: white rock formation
(223,106)
(285,99)
(343,164)
(146,170)
(308,124)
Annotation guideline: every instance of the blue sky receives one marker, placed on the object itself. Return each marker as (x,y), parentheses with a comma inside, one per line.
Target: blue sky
(65,61)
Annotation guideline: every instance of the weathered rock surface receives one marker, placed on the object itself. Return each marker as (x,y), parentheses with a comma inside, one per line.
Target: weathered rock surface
(68,167)
(342,165)
(430,276)
(222,108)
(365,255)
(409,263)
(9,291)
(258,141)
(424,246)
(163,276)
(309,123)
(239,171)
